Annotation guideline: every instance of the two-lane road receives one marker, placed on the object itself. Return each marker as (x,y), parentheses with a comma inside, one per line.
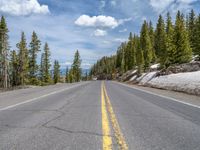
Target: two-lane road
(94,116)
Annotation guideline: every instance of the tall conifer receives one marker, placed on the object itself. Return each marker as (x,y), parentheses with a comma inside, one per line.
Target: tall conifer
(56,72)
(197,38)
(183,51)
(4,53)
(46,64)
(191,29)
(145,43)
(160,41)
(170,48)
(34,49)
(23,60)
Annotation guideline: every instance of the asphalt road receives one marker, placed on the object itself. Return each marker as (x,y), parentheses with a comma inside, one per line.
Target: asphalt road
(94,115)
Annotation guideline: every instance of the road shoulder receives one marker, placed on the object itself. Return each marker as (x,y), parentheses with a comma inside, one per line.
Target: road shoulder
(185,98)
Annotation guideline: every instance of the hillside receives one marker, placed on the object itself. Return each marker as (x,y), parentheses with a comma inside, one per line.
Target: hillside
(166,56)
(182,78)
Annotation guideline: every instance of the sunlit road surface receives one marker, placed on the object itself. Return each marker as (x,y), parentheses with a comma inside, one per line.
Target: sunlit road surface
(97,115)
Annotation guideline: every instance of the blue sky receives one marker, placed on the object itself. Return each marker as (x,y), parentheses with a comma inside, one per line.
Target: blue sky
(94,27)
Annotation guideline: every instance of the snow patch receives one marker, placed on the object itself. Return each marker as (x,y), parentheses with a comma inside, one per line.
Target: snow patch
(133,78)
(155,66)
(141,77)
(147,77)
(134,71)
(185,82)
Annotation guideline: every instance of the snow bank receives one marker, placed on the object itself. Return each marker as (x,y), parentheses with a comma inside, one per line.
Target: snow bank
(134,72)
(184,82)
(141,77)
(129,75)
(133,78)
(147,77)
(184,77)
(155,66)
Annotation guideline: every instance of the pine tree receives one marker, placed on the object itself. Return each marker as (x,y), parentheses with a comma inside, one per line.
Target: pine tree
(123,63)
(76,67)
(14,69)
(129,54)
(67,75)
(56,72)
(133,54)
(197,38)
(160,42)
(41,74)
(145,43)
(169,41)
(191,29)
(4,52)
(139,56)
(34,49)
(120,58)
(46,64)
(183,52)
(152,37)
(23,60)
(71,76)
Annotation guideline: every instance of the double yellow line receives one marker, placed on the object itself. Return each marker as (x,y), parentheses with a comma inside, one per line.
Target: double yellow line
(109,120)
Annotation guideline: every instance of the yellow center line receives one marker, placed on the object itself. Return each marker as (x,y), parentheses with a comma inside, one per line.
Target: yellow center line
(117,131)
(107,140)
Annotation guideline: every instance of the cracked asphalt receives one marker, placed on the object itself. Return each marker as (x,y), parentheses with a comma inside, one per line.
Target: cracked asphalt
(69,117)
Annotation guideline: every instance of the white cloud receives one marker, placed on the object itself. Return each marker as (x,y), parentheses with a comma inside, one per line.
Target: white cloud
(187,1)
(120,40)
(160,5)
(123,30)
(102,5)
(173,5)
(122,21)
(22,7)
(113,3)
(97,21)
(86,65)
(100,32)
(100,21)
(106,42)
(67,63)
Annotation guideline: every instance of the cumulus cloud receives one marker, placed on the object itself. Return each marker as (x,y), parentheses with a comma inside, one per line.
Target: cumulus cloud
(97,21)
(100,32)
(100,21)
(163,5)
(22,7)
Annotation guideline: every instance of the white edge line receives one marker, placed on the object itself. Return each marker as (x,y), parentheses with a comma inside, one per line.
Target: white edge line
(34,99)
(170,98)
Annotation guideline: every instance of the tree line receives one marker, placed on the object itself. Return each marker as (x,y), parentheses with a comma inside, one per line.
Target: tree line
(168,44)
(20,67)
